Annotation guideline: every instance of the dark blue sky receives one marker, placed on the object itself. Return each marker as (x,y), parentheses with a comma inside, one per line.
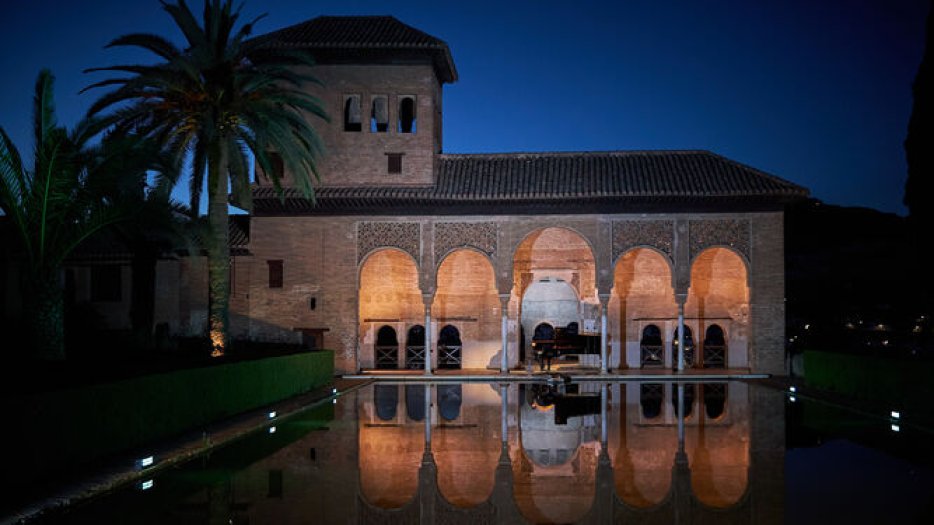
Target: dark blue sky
(814,91)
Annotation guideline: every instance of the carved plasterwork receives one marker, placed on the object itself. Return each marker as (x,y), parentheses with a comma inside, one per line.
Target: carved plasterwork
(719,232)
(658,234)
(373,235)
(451,235)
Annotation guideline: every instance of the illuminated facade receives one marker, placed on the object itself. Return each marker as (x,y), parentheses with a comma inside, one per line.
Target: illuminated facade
(472,253)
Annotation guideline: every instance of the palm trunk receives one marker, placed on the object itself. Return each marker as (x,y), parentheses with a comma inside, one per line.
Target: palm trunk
(218,254)
(45,314)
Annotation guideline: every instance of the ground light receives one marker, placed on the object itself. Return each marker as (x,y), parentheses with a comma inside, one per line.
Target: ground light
(272,415)
(895,428)
(792,389)
(146,485)
(272,430)
(142,463)
(896,415)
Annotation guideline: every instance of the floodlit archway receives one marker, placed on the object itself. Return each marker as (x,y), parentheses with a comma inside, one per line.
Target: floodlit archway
(719,294)
(718,445)
(389,295)
(466,298)
(390,448)
(642,296)
(554,277)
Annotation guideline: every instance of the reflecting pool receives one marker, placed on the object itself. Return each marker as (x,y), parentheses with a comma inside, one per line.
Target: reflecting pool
(557,452)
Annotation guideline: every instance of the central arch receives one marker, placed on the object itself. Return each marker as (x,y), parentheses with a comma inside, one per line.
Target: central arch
(466,301)
(554,278)
(389,296)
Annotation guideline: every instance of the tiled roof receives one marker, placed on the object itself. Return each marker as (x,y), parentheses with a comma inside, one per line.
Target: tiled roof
(616,181)
(363,38)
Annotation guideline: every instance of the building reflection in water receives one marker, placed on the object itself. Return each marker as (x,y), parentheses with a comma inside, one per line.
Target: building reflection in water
(588,453)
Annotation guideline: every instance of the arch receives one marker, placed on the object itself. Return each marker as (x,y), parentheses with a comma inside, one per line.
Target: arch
(407,116)
(386,400)
(449,347)
(719,294)
(466,292)
(415,402)
(387,348)
(690,393)
(718,451)
(689,347)
(380,249)
(415,348)
(650,399)
(739,255)
(388,295)
(651,348)
(715,347)
(450,398)
(642,293)
(664,256)
(714,395)
(352,113)
(555,251)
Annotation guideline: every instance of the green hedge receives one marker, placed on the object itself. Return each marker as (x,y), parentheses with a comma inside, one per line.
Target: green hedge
(58,431)
(904,384)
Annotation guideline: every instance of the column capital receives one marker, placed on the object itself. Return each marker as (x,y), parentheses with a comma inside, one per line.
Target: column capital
(427,299)
(604,298)
(681,297)
(504,298)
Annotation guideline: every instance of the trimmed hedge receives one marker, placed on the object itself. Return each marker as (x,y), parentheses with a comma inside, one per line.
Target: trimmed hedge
(56,431)
(902,383)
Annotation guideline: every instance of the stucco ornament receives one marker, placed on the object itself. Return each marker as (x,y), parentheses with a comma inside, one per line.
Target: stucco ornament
(449,236)
(658,234)
(402,235)
(720,232)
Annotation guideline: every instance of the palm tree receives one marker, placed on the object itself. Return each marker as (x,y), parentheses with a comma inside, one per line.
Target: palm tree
(53,210)
(220,100)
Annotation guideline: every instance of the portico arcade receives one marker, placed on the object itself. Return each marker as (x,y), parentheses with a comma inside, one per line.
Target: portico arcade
(492,282)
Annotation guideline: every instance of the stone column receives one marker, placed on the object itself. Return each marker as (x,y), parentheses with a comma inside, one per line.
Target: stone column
(604,299)
(427,299)
(504,332)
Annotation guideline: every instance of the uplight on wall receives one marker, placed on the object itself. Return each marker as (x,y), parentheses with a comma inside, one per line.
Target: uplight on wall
(792,399)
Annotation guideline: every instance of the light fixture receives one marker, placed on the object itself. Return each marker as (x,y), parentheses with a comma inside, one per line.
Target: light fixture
(792,389)
(896,414)
(895,428)
(792,399)
(272,430)
(146,485)
(335,401)
(272,415)
(145,462)
(334,391)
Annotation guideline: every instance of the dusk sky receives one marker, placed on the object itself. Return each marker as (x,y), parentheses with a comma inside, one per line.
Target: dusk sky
(816,92)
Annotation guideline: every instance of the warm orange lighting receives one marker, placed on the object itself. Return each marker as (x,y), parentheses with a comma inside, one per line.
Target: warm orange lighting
(217,341)
(542,408)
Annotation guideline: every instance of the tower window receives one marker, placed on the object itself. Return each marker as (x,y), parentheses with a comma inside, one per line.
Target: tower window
(352,113)
(394,162)
(275,273)
(407,120)
(379,115)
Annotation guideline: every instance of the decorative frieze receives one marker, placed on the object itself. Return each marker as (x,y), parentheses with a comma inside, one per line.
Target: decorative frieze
(373,235)
(719,232)
(658,234)
(452,235)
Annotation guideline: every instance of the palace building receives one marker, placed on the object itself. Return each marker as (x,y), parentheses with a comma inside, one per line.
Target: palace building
(480,254)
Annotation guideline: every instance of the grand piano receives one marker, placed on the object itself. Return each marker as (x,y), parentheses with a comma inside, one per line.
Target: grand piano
(553,343)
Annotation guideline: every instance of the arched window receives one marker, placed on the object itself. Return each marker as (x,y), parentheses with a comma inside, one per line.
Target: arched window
(386,397)
(688,347)
(690,392)
(650,398)
(449,347)
(714,399)
(407,119)
(379,114)
(449,401)
(415,348)
(415,402)
(653,353)
(352,120)
(387,348)
(714,347)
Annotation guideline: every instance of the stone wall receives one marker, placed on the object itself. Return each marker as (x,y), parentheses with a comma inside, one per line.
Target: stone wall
(323,258)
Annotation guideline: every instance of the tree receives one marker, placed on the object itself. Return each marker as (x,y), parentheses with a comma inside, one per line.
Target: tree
(919,189)
(220,100)
(52,210)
